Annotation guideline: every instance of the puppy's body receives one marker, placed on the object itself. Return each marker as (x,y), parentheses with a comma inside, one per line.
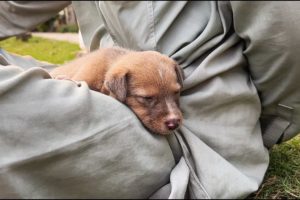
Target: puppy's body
(91,68)
(148,82)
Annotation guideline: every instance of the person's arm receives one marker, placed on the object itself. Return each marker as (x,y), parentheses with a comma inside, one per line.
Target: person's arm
(17,17)
(272,48)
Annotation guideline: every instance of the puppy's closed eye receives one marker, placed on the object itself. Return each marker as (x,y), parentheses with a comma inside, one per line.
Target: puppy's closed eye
(150,100)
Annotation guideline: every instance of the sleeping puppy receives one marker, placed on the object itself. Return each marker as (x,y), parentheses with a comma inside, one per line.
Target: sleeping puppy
(147,82)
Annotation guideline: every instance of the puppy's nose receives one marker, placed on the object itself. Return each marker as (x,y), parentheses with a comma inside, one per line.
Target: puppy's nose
(172,124)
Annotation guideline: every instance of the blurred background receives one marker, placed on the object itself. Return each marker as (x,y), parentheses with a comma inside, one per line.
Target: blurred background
(56,41)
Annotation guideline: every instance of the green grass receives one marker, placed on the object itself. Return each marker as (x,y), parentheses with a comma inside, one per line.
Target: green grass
(56,52)
(282,179)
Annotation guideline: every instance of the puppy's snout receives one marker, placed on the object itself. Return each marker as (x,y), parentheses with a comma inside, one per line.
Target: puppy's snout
(173,123)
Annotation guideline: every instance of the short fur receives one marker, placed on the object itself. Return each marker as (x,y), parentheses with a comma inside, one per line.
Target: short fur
(147,82)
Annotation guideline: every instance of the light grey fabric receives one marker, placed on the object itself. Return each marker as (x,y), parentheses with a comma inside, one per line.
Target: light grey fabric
(271,31)
(221,137)
(26,62)
(17,17)
(219,149)
(59,140)
(179,180)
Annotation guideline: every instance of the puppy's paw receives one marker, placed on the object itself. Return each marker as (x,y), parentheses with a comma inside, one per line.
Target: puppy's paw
(61,77)
(64,77)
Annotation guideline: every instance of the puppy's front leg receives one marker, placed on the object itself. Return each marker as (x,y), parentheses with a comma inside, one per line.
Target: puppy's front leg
(65,77)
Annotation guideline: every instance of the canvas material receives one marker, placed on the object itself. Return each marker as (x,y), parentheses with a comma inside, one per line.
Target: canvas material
(271,34)
(19,17)
(58,140)
(220,103)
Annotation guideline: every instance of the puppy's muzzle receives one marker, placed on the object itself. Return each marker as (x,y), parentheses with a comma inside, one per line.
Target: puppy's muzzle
(172,123)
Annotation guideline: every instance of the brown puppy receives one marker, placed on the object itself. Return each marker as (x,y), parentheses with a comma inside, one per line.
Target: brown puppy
(147,82)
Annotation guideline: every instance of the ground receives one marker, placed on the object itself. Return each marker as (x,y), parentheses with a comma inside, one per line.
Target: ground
(53,51)
(282,180)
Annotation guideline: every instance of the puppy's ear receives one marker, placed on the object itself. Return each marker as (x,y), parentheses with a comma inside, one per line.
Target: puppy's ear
(116,83)
(179,73)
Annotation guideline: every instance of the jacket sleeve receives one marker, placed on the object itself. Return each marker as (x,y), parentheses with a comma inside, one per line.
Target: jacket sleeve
(17,17)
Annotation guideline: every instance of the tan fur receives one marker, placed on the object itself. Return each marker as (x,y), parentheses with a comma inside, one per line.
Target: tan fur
(148,82)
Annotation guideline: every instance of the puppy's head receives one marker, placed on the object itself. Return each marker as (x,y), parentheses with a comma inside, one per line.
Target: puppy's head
(149,83)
